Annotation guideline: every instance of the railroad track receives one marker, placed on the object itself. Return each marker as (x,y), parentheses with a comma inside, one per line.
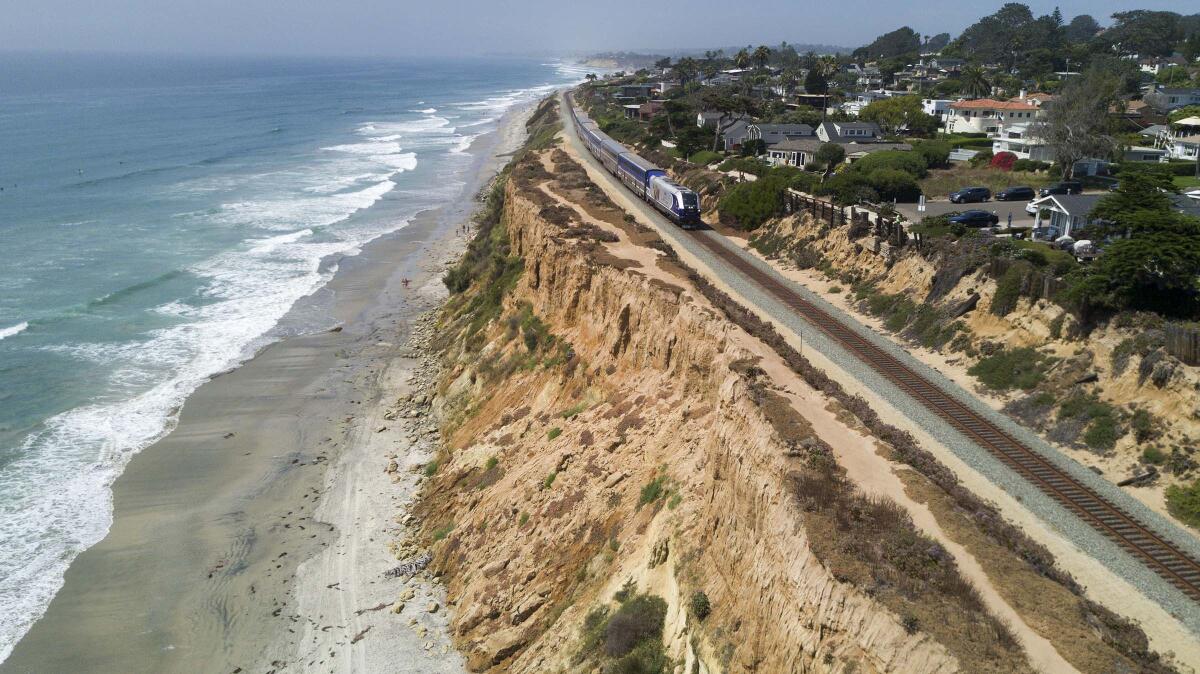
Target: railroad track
(1139,540)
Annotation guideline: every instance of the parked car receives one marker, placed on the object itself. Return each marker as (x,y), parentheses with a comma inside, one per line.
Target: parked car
(975,218)
(969,195)
(1064,187)
(1022,193)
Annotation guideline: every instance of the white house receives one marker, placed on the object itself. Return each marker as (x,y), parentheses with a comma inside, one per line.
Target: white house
(1067,212)
(937,107)
(986,115)
(1181,139)
(1021,140)
(848,132)
(1166,99)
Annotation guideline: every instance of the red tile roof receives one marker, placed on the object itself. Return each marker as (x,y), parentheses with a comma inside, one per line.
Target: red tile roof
(990,104)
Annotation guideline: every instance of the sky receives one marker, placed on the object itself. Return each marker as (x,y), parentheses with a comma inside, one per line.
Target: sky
(386,28)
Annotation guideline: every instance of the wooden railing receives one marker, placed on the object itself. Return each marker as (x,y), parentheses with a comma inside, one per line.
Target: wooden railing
(862,221)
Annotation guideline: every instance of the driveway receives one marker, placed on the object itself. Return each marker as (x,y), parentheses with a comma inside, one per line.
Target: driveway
(1001,208)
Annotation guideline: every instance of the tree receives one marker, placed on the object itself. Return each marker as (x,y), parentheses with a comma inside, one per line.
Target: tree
(741,59)
(1173,76)
(974,82)
(733,108)
(815,82)
(997,38)
(900,42)
(663,63)
(591,77)
(1081,29)
(937,42)
(1184,112)
(691,139)
(900,113)
(830,155)
(686,69)
(1076,123)
(1143,32)
(761,56)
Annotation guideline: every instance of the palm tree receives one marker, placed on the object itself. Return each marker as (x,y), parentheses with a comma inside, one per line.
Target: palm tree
(741,59)
(762,56)
(974,82)
(827,64)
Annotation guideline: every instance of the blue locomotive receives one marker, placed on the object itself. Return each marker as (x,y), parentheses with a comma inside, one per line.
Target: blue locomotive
(643,178)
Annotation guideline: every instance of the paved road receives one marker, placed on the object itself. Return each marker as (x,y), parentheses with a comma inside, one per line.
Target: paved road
(1001,208)
(1062,521)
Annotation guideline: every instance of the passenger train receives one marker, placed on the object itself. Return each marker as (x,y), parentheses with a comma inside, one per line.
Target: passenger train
(642,178)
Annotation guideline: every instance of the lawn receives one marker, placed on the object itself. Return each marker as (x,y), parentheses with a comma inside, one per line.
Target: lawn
(1187,182)
(941,182)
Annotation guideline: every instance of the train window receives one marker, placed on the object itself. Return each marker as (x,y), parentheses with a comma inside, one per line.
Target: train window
(689,199)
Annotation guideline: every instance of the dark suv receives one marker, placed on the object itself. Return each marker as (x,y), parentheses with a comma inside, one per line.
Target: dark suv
(975,219)
(1064,187)
(969,195)
(1015,194)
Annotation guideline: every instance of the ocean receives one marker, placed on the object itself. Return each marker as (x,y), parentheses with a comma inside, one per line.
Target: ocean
(158,218)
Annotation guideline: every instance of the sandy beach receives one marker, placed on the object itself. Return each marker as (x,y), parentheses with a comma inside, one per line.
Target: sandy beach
(258,534)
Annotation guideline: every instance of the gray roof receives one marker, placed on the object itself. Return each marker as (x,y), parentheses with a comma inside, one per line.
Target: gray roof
(1077,204)
(737,130)
(797,145)
(786,129)
(1153,130)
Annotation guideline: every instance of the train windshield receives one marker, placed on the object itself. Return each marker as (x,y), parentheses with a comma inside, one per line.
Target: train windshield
(688,199)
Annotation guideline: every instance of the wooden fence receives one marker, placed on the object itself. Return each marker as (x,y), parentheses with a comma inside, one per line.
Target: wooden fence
(1183,342)
(864,220)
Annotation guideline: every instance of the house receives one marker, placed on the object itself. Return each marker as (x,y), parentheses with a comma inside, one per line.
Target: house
(665,86)
(803,151)
(1037,98)
(711,118)
(937,107)
(986,115)
(735,136)
(1166,99)
(1021,140)
(636,90)
(644,112)
(848,132)
(1067,213)
(950,65)
(772,134)
(1142,153)
(1181,139)
(861,100)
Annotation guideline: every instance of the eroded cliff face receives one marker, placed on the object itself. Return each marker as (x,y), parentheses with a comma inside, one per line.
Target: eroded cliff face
(606,426)
(1120,362)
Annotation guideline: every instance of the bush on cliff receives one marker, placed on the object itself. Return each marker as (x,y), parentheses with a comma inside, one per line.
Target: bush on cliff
(748,205)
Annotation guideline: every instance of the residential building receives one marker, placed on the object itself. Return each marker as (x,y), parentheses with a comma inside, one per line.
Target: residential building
(1067,213)
(986,115)
(1142,153)
(1166,99)
(937,107)
(636,90)
(1181,139)
(734,136)
(1021,140)
(709,118)
(663,87)
(802,151)
(950,65)
(848,132)
(862,99)
(777,133)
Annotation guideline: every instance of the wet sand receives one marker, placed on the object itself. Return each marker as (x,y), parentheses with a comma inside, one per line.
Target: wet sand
(274,464)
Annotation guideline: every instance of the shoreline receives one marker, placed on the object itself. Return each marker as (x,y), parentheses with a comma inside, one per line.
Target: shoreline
(226,531)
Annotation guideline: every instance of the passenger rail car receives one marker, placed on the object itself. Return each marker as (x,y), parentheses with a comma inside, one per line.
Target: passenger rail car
(642,177)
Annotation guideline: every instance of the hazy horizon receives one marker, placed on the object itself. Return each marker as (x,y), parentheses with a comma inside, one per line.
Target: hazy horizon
(373,28)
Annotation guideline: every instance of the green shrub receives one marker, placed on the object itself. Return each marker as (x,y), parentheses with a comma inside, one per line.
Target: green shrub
(1153,455)
(1184,503)
(549,481)
(893,184)
(912,163)
(1102,433)
(936,153)
(523,519)
(705,157)
(442,532)
(653,490)
(748,205)
(492,462)
(1008,290)
(1022,368)
(431,468)
(745,165)
(700,605)
(638,620)
(1143,425)
(554,433)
